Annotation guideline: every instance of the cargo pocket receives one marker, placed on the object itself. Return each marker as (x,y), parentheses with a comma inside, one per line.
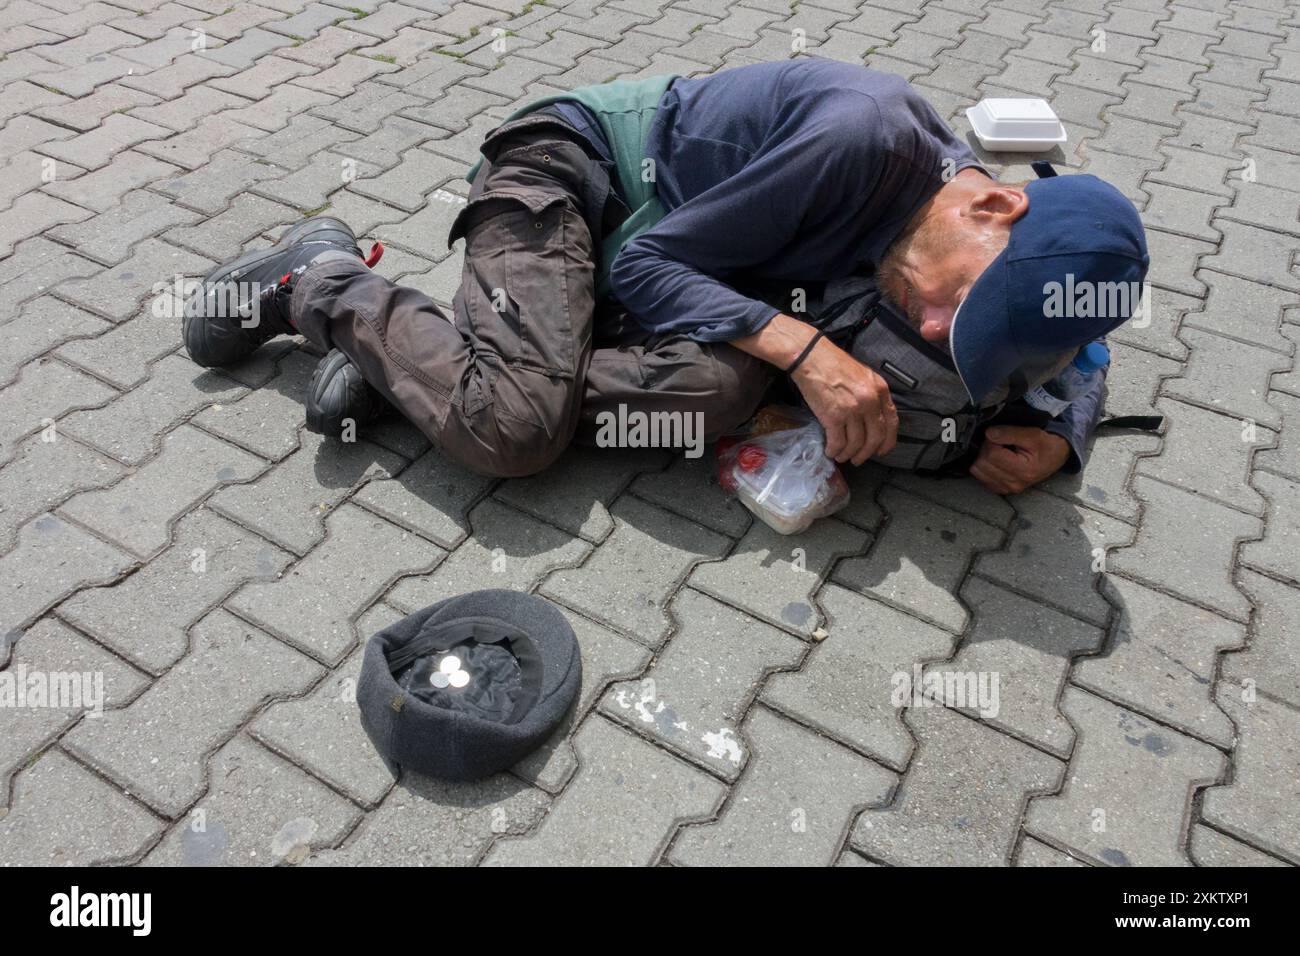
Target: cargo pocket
(514,293)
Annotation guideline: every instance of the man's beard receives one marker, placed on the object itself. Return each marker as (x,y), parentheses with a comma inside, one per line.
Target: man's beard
(925,242)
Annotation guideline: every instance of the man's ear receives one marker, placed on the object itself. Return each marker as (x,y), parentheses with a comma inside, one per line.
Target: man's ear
(998,204)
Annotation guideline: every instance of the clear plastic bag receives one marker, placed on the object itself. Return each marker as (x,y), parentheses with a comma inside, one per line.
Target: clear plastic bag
(779,470)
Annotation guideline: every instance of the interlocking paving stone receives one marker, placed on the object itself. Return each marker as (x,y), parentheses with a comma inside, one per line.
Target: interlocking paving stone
(138,512)
(172,80)
(1160,661)
(322,731)
(94,148)
(405,186)
(109,236)
(965,495)
(1288,382)
(1173,257)
(309,21)
(232,23)
(51,560)
(125,355)
(1208,847)
(1222,475)
(313,606)
(950,810)
(247,50)
(268,420)
(847,685)
(145,618)
(1036,853)
(310,187)
(1229,376)
(1264,206)
(1103,484)
(1271,662)
(96,680)
(211,188)
(1185,546)
(1027,648)
(689,487)
(1128,787)
(158,746)
(62,814)
(342,78)
(1054,553)
(628,581)
(425,822)
(918,561)
(43,392)
(45,473)
(702,682)
(384,146)
(303,137)
(433,496)
(103,189)
(1278,553)
(194,148)
(222,237)
(575,492)
(507,550)
(1243,310)
(621,807)
(1132,391)
(1256,254)
(606,656)
(792,804)
(1182,211)
(774,576)
(291,816)
(1259,805)
(154,266)
(1210,134)
(22,175)
(288,504)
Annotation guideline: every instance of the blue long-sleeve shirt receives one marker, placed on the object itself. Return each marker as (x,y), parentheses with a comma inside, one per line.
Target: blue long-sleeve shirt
(803,170)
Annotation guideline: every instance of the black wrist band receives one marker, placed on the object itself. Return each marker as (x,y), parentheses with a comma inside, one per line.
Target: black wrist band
(807,350)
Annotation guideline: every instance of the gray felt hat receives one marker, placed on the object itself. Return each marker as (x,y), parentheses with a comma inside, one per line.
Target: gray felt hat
(470,685)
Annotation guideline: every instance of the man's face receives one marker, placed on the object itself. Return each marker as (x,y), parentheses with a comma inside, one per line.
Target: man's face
(930,268)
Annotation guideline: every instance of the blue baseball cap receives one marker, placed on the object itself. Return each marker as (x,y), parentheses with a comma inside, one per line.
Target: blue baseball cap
(1071,272)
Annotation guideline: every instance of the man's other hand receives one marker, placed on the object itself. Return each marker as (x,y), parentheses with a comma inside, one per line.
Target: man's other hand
(851,401)
(1014,457)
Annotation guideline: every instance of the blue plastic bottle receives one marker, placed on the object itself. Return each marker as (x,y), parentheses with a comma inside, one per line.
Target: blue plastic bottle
(1076,379)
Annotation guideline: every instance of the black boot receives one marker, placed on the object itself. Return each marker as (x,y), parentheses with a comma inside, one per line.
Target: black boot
(245,302)
(338,394)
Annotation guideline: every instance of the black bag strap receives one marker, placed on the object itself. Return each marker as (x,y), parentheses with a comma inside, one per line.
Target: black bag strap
(1145,423)
(1142,423)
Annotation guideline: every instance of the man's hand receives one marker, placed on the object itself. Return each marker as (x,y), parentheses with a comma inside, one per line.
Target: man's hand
(1014,457)
(850,400)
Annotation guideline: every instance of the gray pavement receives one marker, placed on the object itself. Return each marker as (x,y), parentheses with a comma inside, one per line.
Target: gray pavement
(176,535)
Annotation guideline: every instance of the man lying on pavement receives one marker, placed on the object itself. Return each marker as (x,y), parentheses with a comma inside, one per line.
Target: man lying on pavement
(609,233)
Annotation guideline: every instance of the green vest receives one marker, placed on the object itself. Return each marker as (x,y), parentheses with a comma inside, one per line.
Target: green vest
(624,109)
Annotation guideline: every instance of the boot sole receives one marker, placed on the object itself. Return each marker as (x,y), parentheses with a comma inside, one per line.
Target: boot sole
(324,375)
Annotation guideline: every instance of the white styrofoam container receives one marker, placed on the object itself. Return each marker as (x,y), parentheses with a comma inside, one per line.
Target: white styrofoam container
(1019,125)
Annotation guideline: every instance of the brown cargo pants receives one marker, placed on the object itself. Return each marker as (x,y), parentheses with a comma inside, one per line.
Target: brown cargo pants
(504,384)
